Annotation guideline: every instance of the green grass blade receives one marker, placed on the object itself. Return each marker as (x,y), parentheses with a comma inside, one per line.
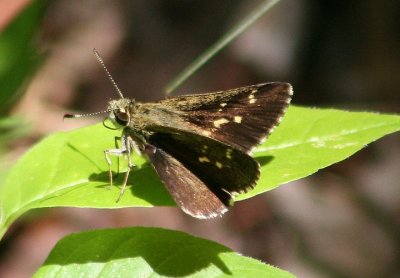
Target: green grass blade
(220,44)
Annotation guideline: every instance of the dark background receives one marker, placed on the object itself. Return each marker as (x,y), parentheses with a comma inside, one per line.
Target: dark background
(341,222)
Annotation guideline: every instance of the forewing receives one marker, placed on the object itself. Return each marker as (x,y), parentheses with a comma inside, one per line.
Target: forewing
(241,117)
(188,191)
(223,169)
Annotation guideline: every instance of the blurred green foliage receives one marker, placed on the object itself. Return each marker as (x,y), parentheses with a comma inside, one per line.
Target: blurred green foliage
(11,128)
(19,57)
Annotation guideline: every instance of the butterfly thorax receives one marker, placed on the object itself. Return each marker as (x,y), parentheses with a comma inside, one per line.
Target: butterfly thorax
(152,117)
(143,118)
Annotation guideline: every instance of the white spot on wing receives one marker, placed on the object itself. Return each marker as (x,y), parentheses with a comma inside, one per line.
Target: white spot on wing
(237,119)
(219,122)
(203,159)
(202,216)
(290,90)
(228,153)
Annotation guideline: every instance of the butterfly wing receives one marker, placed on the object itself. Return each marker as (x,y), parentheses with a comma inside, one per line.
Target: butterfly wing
(188,191)
(241,117)
(199,144)
(200,169)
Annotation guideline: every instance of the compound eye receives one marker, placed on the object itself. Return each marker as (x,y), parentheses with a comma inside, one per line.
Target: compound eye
(122,118)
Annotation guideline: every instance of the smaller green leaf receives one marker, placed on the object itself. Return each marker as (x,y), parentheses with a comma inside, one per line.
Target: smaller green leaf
(148,252)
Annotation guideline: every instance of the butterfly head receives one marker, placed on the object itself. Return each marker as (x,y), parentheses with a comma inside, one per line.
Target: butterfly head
(120,111)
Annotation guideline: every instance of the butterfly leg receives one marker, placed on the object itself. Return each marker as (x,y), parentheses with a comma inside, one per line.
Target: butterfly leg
(116,152)
(130,144)
(116,139)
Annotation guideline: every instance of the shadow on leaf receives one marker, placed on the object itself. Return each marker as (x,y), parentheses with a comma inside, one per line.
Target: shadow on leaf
(143,183)
(263,160)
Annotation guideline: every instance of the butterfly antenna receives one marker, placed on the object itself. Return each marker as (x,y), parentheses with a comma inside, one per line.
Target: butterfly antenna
(100,60)
(68,115)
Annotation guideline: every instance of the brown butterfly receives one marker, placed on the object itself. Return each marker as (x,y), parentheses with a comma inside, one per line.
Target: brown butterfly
(200,145)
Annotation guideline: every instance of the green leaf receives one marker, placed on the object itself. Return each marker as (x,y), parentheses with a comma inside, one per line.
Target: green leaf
(69,169)
(148,252)
(311,139)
